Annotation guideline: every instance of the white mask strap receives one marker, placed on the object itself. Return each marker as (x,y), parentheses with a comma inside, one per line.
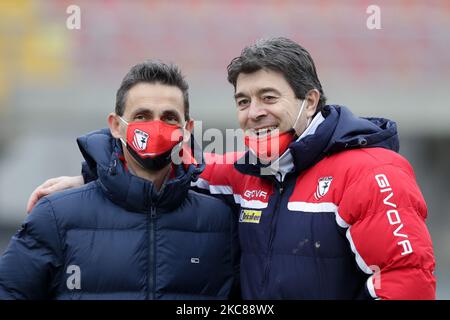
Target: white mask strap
(121,139)
(123,120)
(299,114)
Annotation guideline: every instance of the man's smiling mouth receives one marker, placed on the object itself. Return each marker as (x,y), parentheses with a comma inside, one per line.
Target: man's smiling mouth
(263,131)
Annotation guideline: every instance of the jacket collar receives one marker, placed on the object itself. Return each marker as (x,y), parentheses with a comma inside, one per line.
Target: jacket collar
(127,190)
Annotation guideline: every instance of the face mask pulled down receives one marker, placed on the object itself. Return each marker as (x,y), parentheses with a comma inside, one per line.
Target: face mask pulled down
(270,146)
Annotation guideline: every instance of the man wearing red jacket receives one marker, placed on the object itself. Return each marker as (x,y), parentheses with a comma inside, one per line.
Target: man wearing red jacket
(328,211)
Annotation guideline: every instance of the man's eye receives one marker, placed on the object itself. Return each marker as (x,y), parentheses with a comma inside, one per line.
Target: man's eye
(171,119)
(269,99)
(243,103)
(140,117)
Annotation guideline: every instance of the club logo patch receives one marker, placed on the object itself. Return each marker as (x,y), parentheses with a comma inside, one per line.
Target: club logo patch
(250,216)
(140,139)
(322,187)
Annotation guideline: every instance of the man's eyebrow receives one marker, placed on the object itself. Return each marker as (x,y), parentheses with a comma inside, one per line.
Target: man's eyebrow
(268,89)
(171,112)
(142,110)
(239,95)
(260,92)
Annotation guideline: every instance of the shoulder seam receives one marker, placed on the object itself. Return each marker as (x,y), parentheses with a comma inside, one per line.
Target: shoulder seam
(56,228)
(79,190)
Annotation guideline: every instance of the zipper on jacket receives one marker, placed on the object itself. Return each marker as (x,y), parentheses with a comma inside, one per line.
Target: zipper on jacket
(151,255)
(273,226)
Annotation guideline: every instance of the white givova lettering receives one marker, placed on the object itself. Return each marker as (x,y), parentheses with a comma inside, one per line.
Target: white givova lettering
(393,214)
(74,280)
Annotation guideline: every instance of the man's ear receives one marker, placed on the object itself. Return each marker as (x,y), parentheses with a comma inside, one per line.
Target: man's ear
(189,126)
(114,125)
(312,100)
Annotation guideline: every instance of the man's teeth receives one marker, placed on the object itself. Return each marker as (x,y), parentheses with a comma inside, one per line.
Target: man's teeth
(265,130)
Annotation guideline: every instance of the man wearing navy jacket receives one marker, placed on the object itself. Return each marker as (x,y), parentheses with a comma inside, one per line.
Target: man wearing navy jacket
(137,231)
(329,211)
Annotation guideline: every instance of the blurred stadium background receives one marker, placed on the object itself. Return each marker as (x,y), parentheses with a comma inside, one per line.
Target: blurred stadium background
(56,84)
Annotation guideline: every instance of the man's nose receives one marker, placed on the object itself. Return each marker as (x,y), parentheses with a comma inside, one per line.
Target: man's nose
(256,112)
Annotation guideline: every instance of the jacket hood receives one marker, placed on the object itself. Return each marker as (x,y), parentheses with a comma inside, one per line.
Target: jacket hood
(102,153)
(341,130)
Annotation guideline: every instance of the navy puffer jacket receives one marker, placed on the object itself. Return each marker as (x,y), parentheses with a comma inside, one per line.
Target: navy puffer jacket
(118,238)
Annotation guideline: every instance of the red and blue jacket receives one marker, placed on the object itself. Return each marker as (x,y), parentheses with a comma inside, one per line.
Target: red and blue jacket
(347,221)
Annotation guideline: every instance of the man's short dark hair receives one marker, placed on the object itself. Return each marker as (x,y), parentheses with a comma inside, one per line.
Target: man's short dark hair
(152,71)
(282,55)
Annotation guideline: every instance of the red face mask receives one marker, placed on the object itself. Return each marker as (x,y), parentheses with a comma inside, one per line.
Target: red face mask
(151,142)
(271,146)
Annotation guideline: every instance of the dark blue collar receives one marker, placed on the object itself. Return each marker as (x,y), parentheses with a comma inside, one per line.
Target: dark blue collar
(103,152)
